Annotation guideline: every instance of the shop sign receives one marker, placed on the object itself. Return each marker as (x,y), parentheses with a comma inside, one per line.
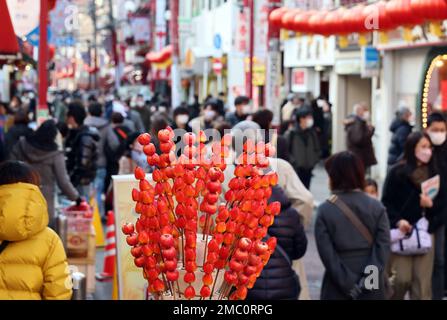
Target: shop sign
(141,29)
(347,66)
(217,66)
(309,51)
(24,15)
(299,79)
(370,59)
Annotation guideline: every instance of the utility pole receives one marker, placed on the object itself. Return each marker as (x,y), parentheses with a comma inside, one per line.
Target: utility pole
(114,46)
(273,72)
(175,68)
(252,46)
(42,107)
(94,44)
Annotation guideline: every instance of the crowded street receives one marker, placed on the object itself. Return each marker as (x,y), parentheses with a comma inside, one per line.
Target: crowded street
(256,151)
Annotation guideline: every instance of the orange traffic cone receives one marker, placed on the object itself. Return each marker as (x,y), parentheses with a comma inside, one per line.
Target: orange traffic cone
(110,250)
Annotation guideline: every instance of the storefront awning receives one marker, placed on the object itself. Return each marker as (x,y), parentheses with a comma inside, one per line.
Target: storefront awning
(9,46)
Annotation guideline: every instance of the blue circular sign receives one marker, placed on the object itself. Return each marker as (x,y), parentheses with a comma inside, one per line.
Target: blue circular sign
(217,41)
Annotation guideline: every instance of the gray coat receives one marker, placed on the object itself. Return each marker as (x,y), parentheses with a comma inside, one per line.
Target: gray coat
(345,252)
(52,170)
(102,125)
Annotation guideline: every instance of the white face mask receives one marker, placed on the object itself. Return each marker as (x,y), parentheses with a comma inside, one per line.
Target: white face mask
(366,116)
(140,103)
(133,104)
(246,109)
(437,138)
(320,103)
(182,119)
(209,114)
(309,123)
(139,158)
(162,109)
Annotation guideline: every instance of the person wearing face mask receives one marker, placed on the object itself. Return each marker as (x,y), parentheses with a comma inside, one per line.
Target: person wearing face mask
(180,126)
(181,119)
(144,110)
(359,135)
(406,205)
(133,157)
(243,110)
(303,145)
(401,128)
(437,130)
(210,115)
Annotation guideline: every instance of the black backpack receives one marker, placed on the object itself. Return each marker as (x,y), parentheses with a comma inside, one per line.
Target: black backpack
(122,133)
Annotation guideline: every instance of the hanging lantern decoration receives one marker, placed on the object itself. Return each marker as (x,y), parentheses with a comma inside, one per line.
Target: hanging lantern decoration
(377,19)
(275,17)
(355,22)
(400,12)
(287,22)
(317,25)
(51,52)
(335,25)
(51,4)
(301,22)
(432,10)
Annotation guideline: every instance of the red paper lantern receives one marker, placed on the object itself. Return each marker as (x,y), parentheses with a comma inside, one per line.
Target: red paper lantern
(317,23)
(51,4)
(288,18)
(334,21)
(377,12)
(51,52)
(275,17)
(430,9)
(301,21)
(401,13)
(355,20)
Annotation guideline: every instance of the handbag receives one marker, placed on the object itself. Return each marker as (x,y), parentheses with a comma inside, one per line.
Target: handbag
(417,242)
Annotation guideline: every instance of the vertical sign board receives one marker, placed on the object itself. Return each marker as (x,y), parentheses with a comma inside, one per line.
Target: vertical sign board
(24,14)
(299,79)
(273,85)
(444,95)
(370,62)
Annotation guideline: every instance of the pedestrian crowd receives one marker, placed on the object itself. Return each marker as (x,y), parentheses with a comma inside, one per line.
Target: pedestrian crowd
(363,226)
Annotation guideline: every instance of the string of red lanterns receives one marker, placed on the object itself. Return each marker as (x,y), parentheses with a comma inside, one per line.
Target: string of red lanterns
(360,19)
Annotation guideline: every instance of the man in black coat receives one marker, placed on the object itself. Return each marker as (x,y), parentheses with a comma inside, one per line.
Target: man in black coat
(278,281)
(81,149)
(401,129)
(437,130)
(359,135)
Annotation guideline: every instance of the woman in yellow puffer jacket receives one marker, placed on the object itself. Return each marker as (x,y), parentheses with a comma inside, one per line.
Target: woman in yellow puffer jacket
(33,265)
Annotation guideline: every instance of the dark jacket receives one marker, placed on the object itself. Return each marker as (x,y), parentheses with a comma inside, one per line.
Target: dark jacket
(304,148)
(358,140)
(233,118)
(401,130)
(345,252)
(51,167)
(145,115)
(401,198)
(102,125)
(82,153)
(13,135)
(278,281)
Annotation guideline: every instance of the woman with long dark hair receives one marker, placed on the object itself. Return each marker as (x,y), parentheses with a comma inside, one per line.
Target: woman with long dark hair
(406,205)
